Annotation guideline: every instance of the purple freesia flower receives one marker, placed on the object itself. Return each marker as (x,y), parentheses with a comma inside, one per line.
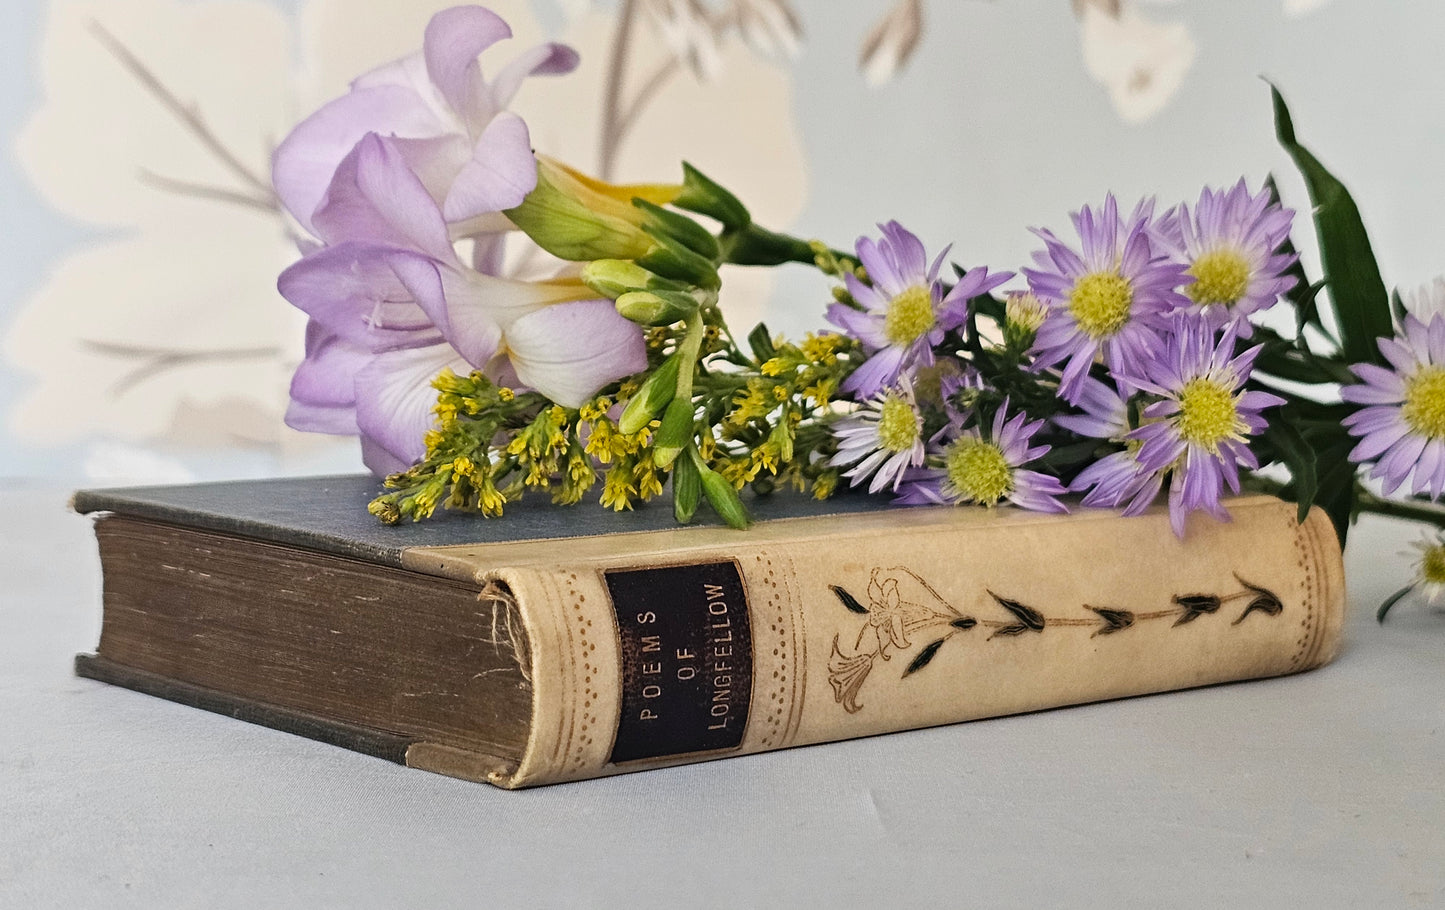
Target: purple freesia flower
(448,121)
(1111,297)
(1402,424)
(987,470)
(391,305)
(905,310)
(1200,426)
(1231,244)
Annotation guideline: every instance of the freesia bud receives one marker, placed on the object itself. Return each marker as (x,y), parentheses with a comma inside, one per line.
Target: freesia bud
(656,392)
(671,259)
(700,194)
(575,217)
(614,277)
(724,499)
(663,225)
(675,432)
(656,307)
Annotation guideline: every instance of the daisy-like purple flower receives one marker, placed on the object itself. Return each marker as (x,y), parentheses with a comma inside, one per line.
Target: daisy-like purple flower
(1402,426)
(1110,297)
(881,440)
(1200,428)
(987,471)
(1118,479)
(905,310)
(1231,244)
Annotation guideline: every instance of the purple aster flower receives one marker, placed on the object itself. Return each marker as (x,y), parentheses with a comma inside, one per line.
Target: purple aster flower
(1112,297)
(449,122)
(1402,426)
(1199,429)
(905,310)
(1231,245)
(987,470)
(881,440)
(1118,479)
(391,305)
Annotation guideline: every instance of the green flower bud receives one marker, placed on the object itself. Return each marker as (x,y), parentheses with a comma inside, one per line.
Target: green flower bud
(656,307)
(614,277)
(700,194)
(671,259)
(675,432)
(665,225)
(573,216)
(657,390)
(686,489)
(724,499)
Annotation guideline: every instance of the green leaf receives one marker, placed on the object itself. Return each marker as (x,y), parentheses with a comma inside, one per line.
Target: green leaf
(1361,304)
(924,656)
(761,341)
(1299,456)
(848,600)
(1337,484)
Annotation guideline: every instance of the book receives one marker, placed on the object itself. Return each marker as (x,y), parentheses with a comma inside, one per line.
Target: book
(557,644)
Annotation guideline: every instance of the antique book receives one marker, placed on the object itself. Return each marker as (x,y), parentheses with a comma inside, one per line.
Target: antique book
(564,643)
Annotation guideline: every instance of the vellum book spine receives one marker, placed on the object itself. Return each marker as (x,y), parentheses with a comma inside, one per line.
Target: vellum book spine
(656,648)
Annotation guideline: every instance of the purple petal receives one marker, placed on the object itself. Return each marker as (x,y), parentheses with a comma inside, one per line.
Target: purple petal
(499,175)
(354,291)
(570,350)
(454,39)
(304,163)
(375,197)
(395,397)
(549,59)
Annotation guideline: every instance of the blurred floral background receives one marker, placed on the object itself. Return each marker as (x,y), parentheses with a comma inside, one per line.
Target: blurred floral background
(143,339)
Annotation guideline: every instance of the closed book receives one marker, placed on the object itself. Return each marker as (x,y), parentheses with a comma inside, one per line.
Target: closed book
(561,643)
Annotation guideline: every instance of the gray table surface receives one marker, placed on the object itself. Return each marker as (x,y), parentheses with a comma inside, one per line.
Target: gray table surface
(1320,790)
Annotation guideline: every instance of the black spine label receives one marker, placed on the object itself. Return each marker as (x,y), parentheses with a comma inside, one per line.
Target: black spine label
(687,659)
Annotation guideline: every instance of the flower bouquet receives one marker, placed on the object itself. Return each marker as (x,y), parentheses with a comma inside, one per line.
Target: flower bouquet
(492,322)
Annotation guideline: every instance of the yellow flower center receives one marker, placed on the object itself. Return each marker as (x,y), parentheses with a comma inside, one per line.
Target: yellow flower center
(910,315)
(1207,414)
(977,470)
(1100,303)
(1220,277)
(1424,408)
(1432,564)
(897,425)
(1024,312)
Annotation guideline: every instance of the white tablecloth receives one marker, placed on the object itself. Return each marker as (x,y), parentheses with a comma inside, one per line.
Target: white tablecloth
(1320,790)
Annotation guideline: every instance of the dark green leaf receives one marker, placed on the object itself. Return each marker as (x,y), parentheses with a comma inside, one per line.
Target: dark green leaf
(849,600)
(1361,304)
(1391,601)
(761,341)
(924,656)
(1031,618)
(1299,456)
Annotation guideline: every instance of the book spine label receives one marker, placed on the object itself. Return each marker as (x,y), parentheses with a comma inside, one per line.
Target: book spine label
(685,638)
(907,619)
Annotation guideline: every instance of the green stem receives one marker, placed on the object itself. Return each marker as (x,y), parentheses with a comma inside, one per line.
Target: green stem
(1429,513)
(756,245)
